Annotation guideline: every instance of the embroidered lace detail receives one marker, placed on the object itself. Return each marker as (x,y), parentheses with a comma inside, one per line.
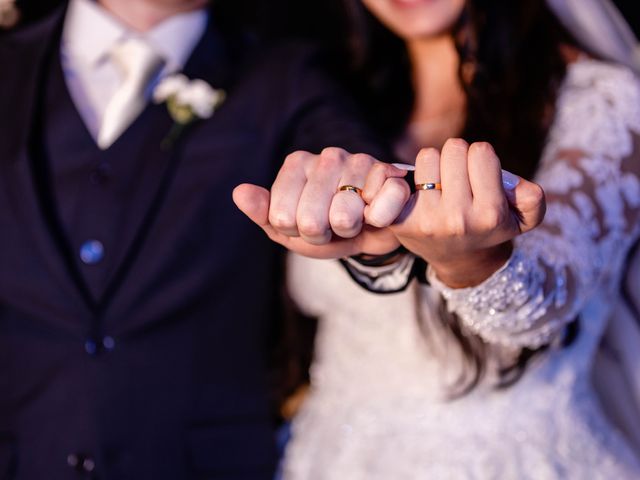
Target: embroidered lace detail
(511,302)
(590,175)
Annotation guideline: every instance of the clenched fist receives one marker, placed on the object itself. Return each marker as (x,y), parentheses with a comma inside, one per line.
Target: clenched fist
(464,228)
(306,212)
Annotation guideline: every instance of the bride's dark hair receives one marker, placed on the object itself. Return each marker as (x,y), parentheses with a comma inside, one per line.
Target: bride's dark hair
(511,66)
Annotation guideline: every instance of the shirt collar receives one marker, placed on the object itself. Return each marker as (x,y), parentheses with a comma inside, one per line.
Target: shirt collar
(176,37)
(90,32)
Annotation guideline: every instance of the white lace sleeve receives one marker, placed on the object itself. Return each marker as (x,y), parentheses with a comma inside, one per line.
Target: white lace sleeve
(590,173)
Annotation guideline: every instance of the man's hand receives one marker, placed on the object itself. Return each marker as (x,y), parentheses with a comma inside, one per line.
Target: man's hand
(305,212)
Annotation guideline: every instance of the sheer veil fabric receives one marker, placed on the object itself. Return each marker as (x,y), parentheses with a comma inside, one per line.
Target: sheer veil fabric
(601,29)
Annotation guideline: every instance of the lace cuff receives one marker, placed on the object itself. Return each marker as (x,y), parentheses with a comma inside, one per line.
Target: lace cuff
(506,308)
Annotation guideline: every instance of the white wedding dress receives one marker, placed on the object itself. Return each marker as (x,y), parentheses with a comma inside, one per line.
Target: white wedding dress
(377,409)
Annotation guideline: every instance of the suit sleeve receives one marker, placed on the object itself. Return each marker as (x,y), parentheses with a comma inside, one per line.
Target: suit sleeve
(319,111)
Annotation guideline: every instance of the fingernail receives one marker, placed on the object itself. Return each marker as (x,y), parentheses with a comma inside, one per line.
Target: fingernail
(509,180)
(404,166)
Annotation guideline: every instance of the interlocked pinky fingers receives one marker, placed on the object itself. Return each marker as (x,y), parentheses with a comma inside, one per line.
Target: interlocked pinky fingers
(389,202)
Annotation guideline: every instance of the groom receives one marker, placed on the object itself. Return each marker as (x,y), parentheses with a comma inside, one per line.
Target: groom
(135,300)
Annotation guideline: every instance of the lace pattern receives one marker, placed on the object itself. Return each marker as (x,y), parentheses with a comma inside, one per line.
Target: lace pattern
(590,175)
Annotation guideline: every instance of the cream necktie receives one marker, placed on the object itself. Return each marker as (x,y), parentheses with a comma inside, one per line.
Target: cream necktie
(139,64)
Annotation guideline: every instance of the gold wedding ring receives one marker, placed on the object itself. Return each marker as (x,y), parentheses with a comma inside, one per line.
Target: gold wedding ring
(429,186)
(350,188)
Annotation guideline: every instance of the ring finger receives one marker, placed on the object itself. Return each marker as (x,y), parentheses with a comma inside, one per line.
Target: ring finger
(427,178)
(347,206)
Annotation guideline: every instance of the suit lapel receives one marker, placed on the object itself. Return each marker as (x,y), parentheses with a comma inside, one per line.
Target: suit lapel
(210,60)
(19,182)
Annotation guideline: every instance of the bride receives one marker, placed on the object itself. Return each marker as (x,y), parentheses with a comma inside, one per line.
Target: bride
(477,361)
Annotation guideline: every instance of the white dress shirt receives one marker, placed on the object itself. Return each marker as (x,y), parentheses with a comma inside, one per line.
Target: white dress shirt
(90,33)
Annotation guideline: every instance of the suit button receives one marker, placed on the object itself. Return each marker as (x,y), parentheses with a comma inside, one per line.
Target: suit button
(108,343)
(73,460)
(91,252)
(88,465)
(81,463)
(91,347)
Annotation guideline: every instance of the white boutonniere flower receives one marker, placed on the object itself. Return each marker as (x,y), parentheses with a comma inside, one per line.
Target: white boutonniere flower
(187,101)
(9,13)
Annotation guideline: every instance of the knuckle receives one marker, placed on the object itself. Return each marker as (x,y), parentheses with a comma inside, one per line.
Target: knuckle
(328,163)
(481,148)
(333,151)
(311,226)
(427,151)
(333,154)
(295,159)
(282,220)
(343,221)
(492,218)
(456,144)
(360,161)
(427,227)
(378,168)
(456,225)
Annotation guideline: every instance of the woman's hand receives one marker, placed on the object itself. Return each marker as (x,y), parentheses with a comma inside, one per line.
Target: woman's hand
(305,212)
(464,230)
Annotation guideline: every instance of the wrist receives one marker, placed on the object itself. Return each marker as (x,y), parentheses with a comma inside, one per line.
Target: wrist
(473,269)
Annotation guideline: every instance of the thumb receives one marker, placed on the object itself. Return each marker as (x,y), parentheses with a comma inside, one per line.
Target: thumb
(253,201)
(528,201)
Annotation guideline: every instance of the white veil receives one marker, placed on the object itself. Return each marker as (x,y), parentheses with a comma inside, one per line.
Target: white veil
(600,28)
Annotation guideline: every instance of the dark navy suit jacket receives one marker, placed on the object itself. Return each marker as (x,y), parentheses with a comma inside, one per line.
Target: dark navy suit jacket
(149,364)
